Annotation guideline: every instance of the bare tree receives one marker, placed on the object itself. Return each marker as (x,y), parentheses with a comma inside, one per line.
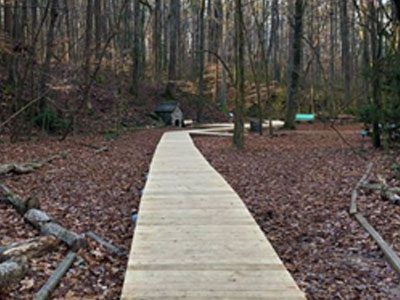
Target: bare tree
(346,65)
(200,101)
(238,133)
(291,103)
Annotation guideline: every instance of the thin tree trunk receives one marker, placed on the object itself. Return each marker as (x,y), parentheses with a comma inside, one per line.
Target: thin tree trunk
(88,54)
(291,102)
(376,45)
(332,56)
(157,40)
(173,32)
(346,66)
(136,49)
(98,24)
(238,132)
(201,86)
(49,53)
(8,25)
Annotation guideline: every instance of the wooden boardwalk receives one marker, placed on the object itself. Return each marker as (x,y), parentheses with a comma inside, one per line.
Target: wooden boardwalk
(195,239)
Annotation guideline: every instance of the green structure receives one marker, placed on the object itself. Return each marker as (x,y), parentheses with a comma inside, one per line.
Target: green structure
(305,118)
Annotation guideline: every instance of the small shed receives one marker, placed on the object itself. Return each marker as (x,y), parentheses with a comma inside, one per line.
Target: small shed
(170,113)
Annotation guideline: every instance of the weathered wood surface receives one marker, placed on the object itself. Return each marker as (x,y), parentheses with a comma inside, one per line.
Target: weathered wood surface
(40,220)
(11,272)
(26,168)
(21,205)
(106,244)
(391,256)
(195,239)
(55,278)
(31,248)
(354,194)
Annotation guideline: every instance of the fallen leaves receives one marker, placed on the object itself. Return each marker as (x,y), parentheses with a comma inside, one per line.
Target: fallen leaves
(83,192)
(298,188)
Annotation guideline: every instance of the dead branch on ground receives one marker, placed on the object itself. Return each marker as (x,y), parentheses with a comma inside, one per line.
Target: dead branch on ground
(55,278)
(30,167)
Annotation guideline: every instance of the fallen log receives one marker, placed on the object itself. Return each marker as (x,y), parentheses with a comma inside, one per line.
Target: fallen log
(109,246)
(378,187)
(98,149)
(40,220)
(102,149)
(89,146)
(19,169)
(21,205)
(31,248)
(73,240)
(389,253)
(386,193)
(354,194)
(56,277)
(37,217)
(30,167)
(12,272)
(61,155)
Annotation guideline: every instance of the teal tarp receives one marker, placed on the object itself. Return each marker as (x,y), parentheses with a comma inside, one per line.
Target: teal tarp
(305,117)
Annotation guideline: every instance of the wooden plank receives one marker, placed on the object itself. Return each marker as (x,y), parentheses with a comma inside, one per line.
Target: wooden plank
(195,238)
(204,233)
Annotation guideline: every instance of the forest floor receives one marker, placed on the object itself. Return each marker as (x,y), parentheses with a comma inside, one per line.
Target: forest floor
(298,187)
(84,192)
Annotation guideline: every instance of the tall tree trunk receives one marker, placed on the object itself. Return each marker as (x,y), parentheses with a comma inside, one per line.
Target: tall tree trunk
(173,35)
(224,87)
(365,50)
(49,53)
(274,40)
(332,57)
(210,33)
(200,101)
(98,26)
(68,26)
(238,132)
(218,40)
(142,44)
(166,41)
(346,65)
(157,40)
(291,102)
(8,16)
(376,46)
(88,54)
(396,10)
(136,49)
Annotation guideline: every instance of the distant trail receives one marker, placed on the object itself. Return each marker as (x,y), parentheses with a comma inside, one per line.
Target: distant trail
(195,239)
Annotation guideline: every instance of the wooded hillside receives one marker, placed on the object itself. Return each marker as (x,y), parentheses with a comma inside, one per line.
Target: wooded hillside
(65,61)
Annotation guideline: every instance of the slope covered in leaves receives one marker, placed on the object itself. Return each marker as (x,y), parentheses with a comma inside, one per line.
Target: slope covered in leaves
(84,192)
(298,187)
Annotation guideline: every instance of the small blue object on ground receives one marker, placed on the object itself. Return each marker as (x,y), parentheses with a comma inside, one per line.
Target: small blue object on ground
(134,218)
(364,133)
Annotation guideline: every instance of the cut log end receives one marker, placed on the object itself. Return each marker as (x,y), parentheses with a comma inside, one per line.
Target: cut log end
(12,272)
(21,205)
